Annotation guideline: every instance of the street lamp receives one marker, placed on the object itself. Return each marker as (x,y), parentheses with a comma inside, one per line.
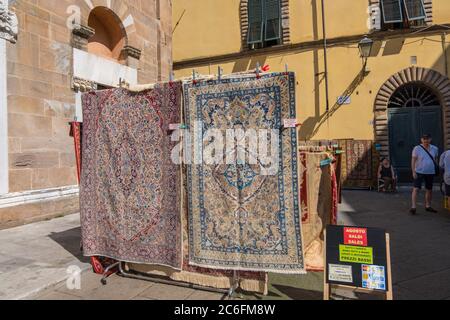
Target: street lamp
(365,48)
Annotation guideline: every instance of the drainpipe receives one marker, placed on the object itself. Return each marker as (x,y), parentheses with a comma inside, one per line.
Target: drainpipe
(444,49)
(325,58)
(4,174)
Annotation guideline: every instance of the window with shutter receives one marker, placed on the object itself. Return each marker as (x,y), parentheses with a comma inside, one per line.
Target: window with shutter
(415,9)
(272,19)
(399,14)
(392,11)
(255,21)
(264,23)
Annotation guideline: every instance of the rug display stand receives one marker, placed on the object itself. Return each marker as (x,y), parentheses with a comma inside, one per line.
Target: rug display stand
(234,284)
(119,267)
(141,276)
(108,272)
(227,293)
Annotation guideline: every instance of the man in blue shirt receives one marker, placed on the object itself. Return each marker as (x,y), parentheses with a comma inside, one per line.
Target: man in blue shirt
(424,167)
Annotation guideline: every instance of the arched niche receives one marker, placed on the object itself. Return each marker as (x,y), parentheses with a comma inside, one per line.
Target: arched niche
(110,37)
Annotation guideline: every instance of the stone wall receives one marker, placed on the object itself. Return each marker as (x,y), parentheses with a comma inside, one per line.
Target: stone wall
(41,100)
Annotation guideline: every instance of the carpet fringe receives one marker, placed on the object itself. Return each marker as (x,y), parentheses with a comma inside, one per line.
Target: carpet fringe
(217,282)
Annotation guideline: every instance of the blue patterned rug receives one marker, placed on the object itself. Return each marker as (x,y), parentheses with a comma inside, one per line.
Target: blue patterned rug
(241,217)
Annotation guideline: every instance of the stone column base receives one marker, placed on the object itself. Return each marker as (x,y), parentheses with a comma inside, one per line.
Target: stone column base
(28,207)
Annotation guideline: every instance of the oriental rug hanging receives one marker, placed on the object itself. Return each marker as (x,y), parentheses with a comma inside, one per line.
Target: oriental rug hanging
(359,164)
(241,217)
(130,188)
(214,278)
(99,264)
(318,194)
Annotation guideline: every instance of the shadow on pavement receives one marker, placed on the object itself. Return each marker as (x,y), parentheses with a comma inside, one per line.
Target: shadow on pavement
(70,240)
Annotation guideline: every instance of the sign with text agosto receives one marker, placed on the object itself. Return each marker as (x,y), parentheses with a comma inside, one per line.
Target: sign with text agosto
(356,256)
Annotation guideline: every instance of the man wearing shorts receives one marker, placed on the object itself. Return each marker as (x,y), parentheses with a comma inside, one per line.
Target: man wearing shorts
(424,166)
(445,165)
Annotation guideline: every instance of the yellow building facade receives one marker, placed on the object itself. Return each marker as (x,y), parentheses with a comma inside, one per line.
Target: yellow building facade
(408,55)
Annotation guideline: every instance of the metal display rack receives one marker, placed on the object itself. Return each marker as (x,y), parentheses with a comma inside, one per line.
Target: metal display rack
(227,293)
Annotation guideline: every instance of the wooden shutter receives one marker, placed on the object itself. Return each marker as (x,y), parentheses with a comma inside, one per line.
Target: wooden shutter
(255,21)
(429,11)
(272,19)
(415,9)
(392,11)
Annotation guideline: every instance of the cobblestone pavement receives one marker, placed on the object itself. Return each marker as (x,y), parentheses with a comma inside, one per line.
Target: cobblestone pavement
(34,258)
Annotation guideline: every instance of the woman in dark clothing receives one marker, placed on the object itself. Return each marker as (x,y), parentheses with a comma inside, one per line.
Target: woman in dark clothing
(387,174)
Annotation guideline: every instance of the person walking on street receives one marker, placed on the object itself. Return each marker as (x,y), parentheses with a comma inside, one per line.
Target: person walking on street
(424,167)
(445,165)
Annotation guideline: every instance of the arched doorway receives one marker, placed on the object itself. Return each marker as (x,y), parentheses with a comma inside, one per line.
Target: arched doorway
(411,102)
(110,37)
(413,110)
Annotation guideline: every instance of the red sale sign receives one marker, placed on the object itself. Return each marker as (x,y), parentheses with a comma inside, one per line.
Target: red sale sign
(355,236)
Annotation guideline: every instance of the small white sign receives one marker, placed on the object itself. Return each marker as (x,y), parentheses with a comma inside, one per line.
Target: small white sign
(290,123)
(174,126)
(340,273)
(344,100)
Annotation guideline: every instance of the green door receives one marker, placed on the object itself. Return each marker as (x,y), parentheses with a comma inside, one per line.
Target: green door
(430,121)
(406,126)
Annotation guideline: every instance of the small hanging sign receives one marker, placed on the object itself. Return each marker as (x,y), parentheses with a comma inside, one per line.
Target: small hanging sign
(290,123)
(326,162)
(174,126)
(342,100)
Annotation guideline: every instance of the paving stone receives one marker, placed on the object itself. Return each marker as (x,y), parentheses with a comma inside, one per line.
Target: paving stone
(142,298)
(167,292)
(205,295)
(434,286)
(31,261)
(8,263)
(44,292)
(418,266)
(401,293)
(28,280)
(118,288)
(58,296)
(89,283)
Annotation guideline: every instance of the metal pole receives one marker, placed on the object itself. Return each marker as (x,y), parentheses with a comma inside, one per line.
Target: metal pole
(325,58)
(444,49)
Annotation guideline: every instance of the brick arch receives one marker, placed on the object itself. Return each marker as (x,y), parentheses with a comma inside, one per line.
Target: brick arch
(432,78)
(285,25)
